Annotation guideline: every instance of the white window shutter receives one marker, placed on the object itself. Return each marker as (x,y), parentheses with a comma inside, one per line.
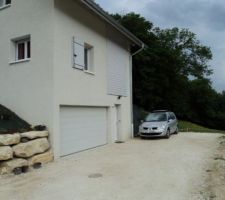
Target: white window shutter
(78,53)
(117,70)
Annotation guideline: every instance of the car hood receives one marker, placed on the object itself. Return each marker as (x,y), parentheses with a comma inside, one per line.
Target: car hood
(153,124)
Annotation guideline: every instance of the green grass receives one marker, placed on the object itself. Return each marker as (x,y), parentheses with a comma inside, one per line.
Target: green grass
(185,126)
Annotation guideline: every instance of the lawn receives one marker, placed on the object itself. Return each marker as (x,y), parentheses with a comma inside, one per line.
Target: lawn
(185,126)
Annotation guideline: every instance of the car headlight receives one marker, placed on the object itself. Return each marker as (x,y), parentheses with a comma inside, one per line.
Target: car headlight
(162,127)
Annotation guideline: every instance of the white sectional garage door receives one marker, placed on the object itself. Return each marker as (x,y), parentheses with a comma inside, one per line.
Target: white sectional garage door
(82,128)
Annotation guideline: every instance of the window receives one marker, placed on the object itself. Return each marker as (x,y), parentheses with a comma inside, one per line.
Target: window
(21,49)
(156,117)
(4,3)
(88,63)
(172,116)
(82,55)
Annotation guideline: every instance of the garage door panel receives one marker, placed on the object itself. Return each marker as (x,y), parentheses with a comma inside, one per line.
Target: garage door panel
(82,128)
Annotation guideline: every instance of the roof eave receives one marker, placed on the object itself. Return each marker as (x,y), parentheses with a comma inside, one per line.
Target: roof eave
(101,13)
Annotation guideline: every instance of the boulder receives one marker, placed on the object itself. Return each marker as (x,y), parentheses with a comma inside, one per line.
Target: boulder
(41,158)
(7,167)
(6,153)
(9,139)
(28,149)
(34,134)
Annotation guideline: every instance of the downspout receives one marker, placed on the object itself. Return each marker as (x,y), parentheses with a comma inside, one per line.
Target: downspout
(139,50)
(131,85)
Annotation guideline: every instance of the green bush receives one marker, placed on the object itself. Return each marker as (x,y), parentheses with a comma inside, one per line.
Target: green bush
(10,122)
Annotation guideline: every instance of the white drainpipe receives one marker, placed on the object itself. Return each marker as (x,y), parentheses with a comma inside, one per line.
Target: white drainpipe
(131,85)
(139,50)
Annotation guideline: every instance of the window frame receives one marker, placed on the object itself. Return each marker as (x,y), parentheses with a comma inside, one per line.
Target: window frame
(83,56)
(88,58)
(26,40)
(4,5)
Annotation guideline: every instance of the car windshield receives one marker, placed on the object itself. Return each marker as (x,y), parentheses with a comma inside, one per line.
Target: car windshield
(156,117)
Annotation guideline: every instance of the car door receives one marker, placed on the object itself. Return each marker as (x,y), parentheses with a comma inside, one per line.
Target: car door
(174,122)
(170,122)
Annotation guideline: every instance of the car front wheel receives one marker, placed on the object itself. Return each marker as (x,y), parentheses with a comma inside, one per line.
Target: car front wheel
(167,134)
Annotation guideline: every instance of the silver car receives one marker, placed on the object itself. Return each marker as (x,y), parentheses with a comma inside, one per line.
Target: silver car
(159,123)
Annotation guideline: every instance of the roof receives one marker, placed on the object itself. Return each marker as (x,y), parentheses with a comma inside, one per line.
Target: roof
(106,17)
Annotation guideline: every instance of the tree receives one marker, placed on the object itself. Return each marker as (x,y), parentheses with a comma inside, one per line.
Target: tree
(173,73)
(191,56)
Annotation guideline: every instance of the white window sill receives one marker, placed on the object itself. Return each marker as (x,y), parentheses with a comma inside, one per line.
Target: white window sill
(89,72)
(19,61)
(5,6)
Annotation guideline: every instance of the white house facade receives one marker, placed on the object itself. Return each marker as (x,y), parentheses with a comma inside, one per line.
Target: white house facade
(68,65)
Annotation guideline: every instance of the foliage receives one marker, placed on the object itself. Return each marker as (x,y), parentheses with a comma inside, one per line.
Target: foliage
(10,122)
(173,73)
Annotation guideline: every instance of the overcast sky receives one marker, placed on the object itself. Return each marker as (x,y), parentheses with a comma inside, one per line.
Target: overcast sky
(206,18)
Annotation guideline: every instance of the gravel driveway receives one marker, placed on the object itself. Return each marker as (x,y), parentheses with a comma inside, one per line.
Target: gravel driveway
(158,169)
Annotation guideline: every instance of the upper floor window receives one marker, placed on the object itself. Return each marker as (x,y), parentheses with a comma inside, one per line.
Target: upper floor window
(4,3)
(88,57)
(21,49)
(83,55)
(172,116)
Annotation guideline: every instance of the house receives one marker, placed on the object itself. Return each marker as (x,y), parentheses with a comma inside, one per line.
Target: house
(67,64)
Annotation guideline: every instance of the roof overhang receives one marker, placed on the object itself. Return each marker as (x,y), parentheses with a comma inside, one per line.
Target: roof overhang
(106,17)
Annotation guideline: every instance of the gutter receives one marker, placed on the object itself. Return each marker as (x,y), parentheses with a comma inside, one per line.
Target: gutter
(139,50)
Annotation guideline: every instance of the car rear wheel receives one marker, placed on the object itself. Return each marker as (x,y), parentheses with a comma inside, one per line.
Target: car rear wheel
(167,134)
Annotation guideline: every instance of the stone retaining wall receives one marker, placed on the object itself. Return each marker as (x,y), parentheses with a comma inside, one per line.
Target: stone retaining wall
(19,151)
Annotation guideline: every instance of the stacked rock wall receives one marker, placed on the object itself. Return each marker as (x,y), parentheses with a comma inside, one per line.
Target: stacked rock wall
(19,151)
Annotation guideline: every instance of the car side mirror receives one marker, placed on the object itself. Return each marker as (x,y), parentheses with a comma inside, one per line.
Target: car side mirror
(142,121)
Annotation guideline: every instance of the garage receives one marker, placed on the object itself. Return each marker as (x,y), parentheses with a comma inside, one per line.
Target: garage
(82,128)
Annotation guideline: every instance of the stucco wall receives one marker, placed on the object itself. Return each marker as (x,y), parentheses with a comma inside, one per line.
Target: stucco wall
(36,89)
(26,88)
(74,86)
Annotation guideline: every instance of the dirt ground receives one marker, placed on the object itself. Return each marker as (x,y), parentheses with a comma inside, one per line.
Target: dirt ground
(188,166)
(214,187)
